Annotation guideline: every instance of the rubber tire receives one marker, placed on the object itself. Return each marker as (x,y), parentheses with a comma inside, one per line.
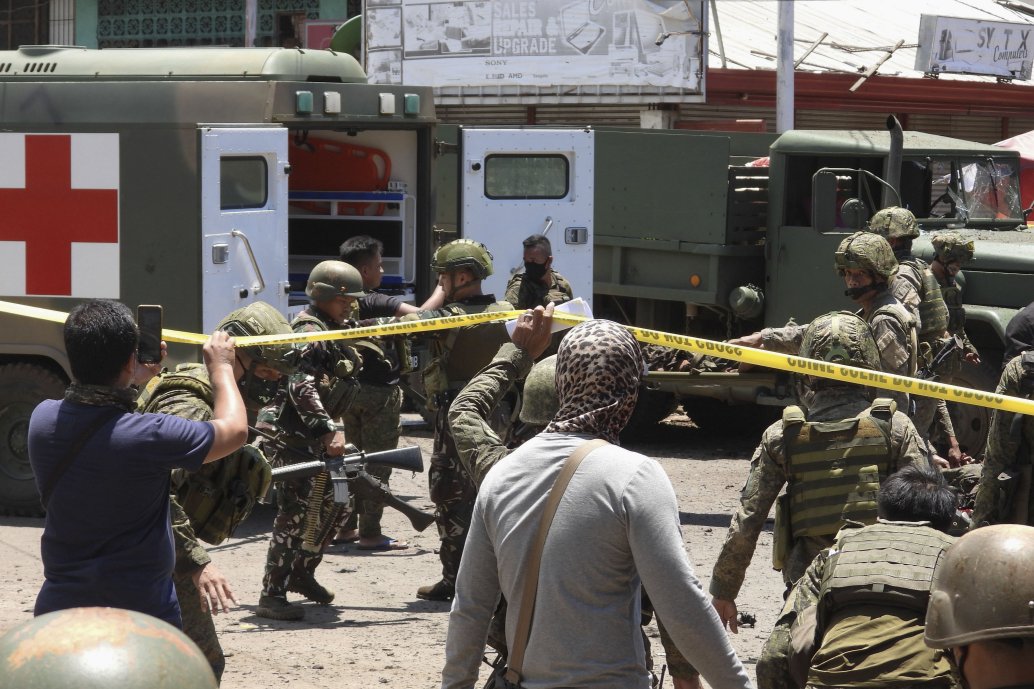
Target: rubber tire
(715,416)
(971,422)
(22,387)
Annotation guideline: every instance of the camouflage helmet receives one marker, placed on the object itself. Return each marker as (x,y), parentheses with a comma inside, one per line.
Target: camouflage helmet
(463,253)
(952,246)
(101,647)
(540,397)
(331,279)
(982,589)
(894,223)
(866,251)
(840,337)
(260,318)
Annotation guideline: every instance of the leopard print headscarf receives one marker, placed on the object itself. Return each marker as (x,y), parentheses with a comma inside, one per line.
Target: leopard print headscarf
(598,369)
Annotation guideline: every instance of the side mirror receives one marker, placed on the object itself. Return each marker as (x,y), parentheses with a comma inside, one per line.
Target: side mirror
(854,214)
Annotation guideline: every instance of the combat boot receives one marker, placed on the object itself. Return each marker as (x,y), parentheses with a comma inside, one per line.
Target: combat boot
(442,590)
(307,585)
(277,608)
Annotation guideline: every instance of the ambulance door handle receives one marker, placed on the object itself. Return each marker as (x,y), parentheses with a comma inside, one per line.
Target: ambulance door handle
(251,256)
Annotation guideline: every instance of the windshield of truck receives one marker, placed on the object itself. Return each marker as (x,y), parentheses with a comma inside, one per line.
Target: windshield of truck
(962,189)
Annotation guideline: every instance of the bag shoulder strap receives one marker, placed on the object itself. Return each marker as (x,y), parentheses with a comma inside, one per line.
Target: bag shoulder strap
(531,583)
(73,451)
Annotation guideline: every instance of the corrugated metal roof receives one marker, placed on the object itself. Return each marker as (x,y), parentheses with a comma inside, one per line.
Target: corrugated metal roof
(860,32)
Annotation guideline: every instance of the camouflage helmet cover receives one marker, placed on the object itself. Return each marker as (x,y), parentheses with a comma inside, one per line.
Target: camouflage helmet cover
(463,253)
(952,246)
(840,337)
(101,647)
(261,318)
(540,402)
(894,223)
(330,279)
(866,251)
(982,588)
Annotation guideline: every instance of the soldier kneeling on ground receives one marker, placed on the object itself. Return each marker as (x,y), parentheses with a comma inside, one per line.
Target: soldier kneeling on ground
(855,619)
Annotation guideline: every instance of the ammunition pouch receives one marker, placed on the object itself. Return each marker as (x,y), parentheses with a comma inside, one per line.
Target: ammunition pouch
(436,383)
(220,495)
(337,395)
(782,533)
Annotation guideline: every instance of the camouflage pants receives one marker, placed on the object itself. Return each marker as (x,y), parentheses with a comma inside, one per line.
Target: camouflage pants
(372,424)
(773,667)
(925,414)
(453,495)
(305,521)
(677,664)
(198,624)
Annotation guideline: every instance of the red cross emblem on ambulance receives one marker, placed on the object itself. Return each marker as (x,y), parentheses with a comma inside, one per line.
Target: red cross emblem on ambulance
(59,217)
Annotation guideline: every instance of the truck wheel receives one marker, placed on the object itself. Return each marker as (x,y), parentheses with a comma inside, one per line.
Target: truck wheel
(652,407)
(970,421)
(22,387)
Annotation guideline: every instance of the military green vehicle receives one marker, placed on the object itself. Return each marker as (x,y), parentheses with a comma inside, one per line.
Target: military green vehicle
(203,179)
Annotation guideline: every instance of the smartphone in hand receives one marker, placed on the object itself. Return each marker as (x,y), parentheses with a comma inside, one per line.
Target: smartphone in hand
(149,321)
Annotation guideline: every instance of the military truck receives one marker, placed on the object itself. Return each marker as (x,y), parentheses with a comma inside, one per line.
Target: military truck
(203,179)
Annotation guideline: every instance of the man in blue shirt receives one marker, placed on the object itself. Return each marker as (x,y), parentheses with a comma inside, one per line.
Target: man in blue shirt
(103,471)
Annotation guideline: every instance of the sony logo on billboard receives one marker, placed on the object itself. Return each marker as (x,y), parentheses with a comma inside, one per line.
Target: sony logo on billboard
(973,46)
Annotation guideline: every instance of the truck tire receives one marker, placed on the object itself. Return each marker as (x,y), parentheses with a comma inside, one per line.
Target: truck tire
(970,421)
(652,407)
(22,387)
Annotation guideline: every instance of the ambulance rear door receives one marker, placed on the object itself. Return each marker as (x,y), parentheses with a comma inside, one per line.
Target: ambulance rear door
(243,219)
(520,182)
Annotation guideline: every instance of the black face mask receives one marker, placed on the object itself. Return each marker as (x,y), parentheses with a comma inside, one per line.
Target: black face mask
(855,292)
(535,271)
(257,392)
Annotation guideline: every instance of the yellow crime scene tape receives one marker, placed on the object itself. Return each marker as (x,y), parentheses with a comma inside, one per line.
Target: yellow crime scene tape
(688,343)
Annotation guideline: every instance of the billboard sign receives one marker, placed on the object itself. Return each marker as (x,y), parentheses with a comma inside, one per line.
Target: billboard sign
(973,46)
(536,43)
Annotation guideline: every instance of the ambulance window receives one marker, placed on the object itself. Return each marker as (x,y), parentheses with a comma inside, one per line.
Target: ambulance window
(242,182)
(526,177)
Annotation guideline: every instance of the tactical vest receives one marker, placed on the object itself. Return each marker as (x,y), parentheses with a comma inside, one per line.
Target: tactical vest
(904,319)
(459,354)
(835,467)
(887,564)
(337,388)
(933,314)
(220,495)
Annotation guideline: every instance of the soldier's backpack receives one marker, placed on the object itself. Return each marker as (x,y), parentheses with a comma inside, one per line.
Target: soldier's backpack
(220,495)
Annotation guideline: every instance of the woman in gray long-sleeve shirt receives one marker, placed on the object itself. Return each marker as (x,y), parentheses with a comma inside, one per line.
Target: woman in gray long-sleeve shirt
(616,528)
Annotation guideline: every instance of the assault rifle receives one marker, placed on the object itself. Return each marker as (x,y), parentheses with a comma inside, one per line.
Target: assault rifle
(348,475)
(949,347)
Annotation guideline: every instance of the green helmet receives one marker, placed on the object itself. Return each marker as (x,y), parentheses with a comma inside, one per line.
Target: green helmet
(894,223)
(331,279)
(982,588)
(840,337)
(101,647)
(260,318)
(463,253)
(866,251)
(952,246)
(540,398)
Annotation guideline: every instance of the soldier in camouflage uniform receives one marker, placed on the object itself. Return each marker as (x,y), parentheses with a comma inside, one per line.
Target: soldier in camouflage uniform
(456,355)
(479,446)
(856,617)
(186,392)
(952,251)
(539,284)
(1004,494)
(867,264)
(917,288)
(372,421)
(304,418)
(831,459)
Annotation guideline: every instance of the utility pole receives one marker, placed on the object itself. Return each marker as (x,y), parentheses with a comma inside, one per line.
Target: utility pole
(784,68)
